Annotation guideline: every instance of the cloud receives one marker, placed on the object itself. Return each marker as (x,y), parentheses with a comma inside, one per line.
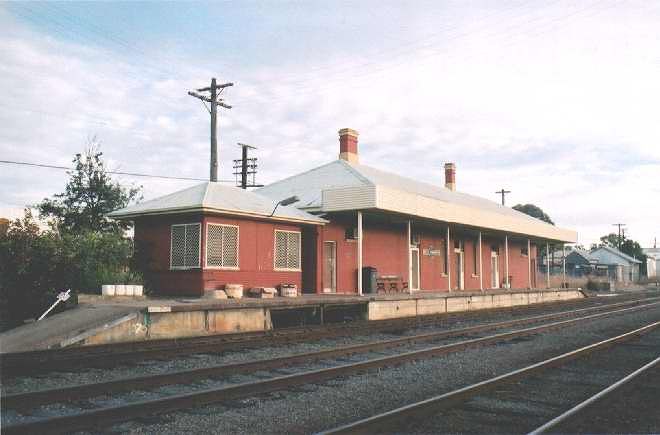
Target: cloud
(562,112)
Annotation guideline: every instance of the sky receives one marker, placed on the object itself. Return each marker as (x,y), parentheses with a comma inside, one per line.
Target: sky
(556,101)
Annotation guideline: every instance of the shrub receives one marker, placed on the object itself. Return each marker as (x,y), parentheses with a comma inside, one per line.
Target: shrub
(35,265)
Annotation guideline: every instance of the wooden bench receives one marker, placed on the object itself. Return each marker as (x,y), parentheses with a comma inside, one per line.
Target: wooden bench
(391,284)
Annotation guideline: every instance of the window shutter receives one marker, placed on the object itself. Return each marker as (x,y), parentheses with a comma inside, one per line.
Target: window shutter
(229,246)
(287,250)
(185,246)
(222,246)
(192,245)
(280,250)
(178,246)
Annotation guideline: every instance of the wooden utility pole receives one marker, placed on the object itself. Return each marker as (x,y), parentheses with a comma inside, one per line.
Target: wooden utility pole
(503,192)
(619,239)
(246,167)
(214,92)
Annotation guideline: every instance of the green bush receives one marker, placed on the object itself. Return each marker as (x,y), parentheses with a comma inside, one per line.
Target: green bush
(35,265)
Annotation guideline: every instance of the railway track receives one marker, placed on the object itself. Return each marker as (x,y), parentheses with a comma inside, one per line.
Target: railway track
(463,410)
(109,355)
(112,414)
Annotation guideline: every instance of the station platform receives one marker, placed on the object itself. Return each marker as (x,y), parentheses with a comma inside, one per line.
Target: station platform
(99,320)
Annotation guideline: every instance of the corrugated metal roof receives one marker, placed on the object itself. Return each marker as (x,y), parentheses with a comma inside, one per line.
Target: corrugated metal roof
(309,186)
(598,253)
(585,254)
(214,197)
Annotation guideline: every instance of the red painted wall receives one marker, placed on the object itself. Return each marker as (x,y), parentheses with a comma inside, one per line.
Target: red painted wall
(256,256)
(256,250)
(384,247)
(431,270)
(152,249)
(346,256)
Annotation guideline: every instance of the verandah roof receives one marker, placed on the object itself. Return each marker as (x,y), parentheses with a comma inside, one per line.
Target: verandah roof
(343,186)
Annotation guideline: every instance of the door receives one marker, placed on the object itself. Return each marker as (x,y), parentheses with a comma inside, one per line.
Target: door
(329,267)
(414,265)
(460,266)
(494,270)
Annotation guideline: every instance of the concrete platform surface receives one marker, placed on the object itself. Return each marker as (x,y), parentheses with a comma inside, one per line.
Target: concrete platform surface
(175,304)
(99,319)
(60,329)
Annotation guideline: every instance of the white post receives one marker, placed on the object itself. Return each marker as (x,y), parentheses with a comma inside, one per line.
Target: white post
(506,260)
(529,264)
(359,225)
(563,263)
(448,263)
(481,269)
(410,273)
(547,264)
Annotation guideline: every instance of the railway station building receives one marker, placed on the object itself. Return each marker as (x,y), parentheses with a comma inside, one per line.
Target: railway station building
(342,227)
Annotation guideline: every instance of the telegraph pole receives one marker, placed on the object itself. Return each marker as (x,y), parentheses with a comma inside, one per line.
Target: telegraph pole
(214,92)
(246,166)
(619,239)
(503,192)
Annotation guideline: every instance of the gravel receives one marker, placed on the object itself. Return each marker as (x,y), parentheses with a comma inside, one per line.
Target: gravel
(315,406)
(151,367)
(344,400)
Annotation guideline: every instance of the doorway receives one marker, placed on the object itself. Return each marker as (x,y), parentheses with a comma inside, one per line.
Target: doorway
(460,265)
(414,266)
(494,270)
(329,267)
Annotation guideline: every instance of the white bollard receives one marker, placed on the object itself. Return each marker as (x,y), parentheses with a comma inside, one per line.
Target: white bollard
(120,289)
(108,290)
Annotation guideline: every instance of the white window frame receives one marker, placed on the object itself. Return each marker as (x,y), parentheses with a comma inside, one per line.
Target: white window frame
(206,251)
(199,244)
(286,269)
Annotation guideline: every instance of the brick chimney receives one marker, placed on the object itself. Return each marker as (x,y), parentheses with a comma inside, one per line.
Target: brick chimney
(348,145)
(450,176)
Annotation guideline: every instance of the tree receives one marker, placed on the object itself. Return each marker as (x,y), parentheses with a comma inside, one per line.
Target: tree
(36,264)
(533,211)
(89,195)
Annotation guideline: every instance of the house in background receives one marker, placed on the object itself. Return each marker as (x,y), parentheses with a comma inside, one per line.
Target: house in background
(580,263)
(652,261)
(621,267)
(354,229)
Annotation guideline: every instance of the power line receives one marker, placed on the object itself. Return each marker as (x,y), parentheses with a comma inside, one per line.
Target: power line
(133,174)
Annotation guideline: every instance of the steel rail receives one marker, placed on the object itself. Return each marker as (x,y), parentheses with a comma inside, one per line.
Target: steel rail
(113,414)
(35,398)
(107,355)
(593,399)
(385,422)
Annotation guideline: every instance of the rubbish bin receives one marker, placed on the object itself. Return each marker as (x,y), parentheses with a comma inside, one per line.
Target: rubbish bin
(369,275)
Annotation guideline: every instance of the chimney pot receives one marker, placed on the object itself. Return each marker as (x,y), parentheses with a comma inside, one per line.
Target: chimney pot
(348,145)
(450,176)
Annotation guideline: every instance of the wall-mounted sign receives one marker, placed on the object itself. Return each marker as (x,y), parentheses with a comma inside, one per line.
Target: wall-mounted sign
(433,252)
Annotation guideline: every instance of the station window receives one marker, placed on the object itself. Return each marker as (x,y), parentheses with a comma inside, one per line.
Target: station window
(287,250)
(524,251)
(222,246)
(184,246)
